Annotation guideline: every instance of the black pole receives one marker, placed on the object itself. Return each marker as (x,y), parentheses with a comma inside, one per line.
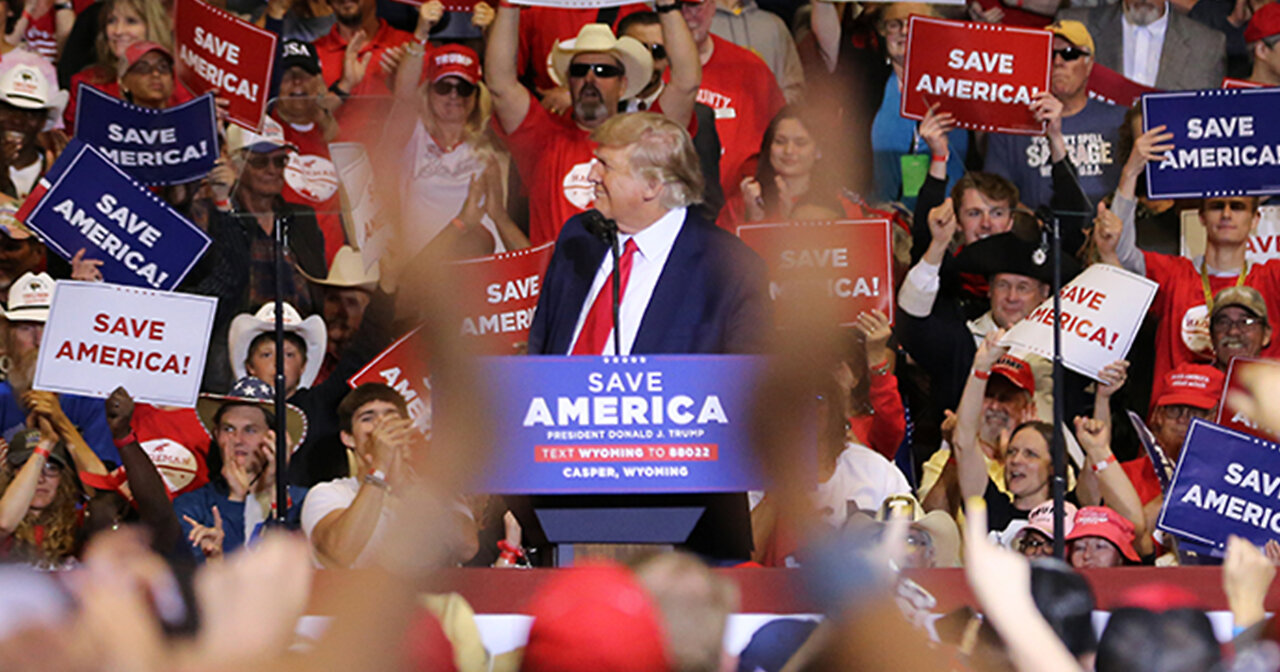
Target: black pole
(617,280)
(282,446)
(1059,396)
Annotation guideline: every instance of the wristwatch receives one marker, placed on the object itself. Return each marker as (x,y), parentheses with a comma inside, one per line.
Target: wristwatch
(378,478)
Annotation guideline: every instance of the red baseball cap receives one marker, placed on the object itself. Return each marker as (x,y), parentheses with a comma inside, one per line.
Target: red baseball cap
(1264,24)
(137,50)
(1017,370)
(594,617)
(1198,385)
(453,60)
(1104,522)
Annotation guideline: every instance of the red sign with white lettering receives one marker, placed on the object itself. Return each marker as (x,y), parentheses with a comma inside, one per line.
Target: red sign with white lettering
(1112,87)
(497,295)
(404,367)
(1230,417)
(1233,83)
(984,74)
(453,5)
(851,257)
(220,53)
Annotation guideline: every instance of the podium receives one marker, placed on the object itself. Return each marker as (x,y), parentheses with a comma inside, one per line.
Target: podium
(648,449)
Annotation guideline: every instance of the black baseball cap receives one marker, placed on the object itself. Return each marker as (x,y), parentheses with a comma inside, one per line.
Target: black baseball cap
(301,54)
(25,442)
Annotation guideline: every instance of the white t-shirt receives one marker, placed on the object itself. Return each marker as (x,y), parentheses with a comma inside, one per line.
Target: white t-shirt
(434,186)
(337,495)
(863,476)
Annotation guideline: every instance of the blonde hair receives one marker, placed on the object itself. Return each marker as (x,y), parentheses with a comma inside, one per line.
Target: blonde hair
(695,605)
(477,131)
(152,13)
(660,151)
(59,519)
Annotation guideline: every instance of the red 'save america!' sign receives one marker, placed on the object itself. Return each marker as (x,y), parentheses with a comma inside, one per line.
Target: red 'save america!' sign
(851,258)
(220,53)
(986,75)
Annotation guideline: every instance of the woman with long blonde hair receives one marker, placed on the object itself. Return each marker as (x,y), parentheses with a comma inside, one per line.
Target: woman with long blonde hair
(39,509)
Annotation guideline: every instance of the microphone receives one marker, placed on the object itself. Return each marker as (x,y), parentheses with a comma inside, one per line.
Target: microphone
(607,230)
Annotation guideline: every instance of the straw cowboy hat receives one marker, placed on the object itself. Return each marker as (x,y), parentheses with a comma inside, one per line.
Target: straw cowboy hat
(246,327)
(347,271)
(597,38)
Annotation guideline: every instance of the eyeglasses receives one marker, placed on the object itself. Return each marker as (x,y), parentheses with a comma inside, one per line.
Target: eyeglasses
(1225,323)
(1032,542)
(144,68)
(444,87)
(1234,206)
(892,25)
(261,160)
(658,51)
(1178,412)
(1070,53)
(602,70)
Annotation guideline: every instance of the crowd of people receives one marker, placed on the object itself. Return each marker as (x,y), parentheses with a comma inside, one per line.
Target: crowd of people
(659,128)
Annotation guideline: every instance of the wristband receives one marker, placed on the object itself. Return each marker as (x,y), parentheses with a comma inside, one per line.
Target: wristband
(127,440)
(378,479)
(663,9)
(40,450)
(458,224)
(1099,466)
(941,157)
(223,204)
(981,375)
(340,93)
(508,549)
(27,15)
(64,5)
(507,557)
(881,368)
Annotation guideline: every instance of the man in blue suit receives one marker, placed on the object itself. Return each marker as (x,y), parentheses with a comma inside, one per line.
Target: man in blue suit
(686,286)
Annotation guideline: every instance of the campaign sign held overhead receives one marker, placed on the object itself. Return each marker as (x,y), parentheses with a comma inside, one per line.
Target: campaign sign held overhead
(156,147)
(1226,482)
(984,74)
(403,366)
(1226,143)
(498,294)
(101,336)
(232,58)
(582,425)
(86,202)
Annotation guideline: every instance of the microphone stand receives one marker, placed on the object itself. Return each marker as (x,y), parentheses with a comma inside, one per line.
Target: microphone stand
(1058,450)
(617,280)
(279,240)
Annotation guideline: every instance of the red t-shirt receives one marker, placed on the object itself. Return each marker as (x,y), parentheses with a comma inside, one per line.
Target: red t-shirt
(1183,332)
(1017,17)
(177,443)
(542,27)
(356,114)
(554,157)
(41,36)
(1144,478)
(745,96)
(99,79)
(311,179)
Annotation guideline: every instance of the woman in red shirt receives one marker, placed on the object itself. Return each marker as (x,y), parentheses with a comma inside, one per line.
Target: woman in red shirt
(123,24)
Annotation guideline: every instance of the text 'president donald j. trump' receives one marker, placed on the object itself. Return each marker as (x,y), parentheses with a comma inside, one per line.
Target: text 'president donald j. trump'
(686,285)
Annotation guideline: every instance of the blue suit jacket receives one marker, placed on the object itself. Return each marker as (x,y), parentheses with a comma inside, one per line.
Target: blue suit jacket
(712,296)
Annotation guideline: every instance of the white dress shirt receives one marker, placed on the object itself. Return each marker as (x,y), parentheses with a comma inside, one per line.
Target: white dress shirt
(653,246)
(1142,48)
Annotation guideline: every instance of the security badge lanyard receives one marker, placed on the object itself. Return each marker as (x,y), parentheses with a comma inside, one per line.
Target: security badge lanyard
(914,166)
(1204,282)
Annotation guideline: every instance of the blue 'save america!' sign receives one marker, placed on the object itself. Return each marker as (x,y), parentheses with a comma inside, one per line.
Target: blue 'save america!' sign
(583,425)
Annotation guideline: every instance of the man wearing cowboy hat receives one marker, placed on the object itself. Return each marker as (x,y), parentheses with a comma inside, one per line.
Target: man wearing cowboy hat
(30,102)
(348,290)
(228,513)
(553,151)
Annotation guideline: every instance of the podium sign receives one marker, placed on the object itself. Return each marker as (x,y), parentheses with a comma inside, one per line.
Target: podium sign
(620,425)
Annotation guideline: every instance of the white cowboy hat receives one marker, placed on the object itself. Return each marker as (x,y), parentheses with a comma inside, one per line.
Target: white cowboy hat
(347,270)
(597,38)
(246,327)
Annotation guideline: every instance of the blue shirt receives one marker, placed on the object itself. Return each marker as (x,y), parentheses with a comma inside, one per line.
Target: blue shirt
(88,414)
(892,137)
(198,505)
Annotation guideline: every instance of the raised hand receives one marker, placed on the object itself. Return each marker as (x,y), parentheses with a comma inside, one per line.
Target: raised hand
(934,129)
(207,539)
(875,329)
(1106,233)
(1114,376)
(353,64)
(482,15)
(87,270)
(990,351)
(1094,437)
(752,198)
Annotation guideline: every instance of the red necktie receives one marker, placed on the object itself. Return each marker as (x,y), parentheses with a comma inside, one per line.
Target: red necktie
(595,330)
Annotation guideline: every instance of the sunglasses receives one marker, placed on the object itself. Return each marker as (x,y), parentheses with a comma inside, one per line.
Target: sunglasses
(658,51)
(1235,206)
(1070,53)
(260,161)
(444,87)
(602,70)
(143,68)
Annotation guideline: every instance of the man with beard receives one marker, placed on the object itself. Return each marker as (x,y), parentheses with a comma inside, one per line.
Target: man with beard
(356,56)
(310,178)
(1150,43)
(1088,128)
(553,152)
